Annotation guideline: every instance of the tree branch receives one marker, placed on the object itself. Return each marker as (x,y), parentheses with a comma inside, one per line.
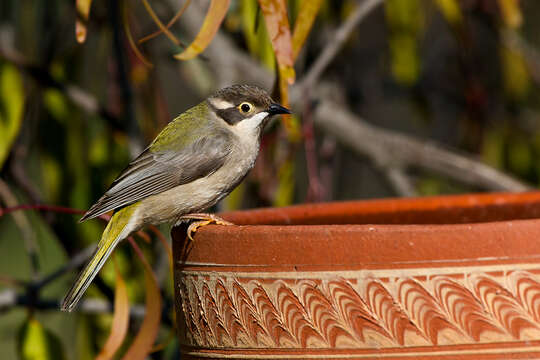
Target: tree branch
(389,148)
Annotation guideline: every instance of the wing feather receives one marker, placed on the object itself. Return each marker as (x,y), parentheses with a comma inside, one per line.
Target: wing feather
(153,172)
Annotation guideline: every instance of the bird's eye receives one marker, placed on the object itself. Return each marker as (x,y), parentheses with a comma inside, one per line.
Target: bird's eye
(245,107)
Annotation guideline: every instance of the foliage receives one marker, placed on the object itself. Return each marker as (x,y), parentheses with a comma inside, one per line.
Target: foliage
(11,107)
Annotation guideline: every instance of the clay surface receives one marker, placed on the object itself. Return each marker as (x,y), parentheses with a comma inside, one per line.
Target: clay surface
(431,278)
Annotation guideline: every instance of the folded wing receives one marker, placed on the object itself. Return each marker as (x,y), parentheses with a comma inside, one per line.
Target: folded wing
(154,172)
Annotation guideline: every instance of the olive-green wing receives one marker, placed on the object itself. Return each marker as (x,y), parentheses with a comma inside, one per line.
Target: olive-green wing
(156,171)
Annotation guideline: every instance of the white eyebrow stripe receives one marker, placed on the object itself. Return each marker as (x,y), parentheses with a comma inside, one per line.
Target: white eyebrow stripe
(220,104)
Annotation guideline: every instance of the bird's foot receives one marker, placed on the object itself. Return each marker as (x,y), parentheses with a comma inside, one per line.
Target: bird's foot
(200,220)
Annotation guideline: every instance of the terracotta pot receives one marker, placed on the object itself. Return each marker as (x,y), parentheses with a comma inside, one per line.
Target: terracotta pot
(454,277)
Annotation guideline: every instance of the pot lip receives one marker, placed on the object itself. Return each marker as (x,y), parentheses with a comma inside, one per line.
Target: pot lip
(474,208)
(371,245)
(270,248)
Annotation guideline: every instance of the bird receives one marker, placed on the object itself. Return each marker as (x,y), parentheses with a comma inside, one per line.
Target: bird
(193,163)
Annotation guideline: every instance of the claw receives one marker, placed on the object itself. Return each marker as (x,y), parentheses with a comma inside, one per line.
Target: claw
(203,220)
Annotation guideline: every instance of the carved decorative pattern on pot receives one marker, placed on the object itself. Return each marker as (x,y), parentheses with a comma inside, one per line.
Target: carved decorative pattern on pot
(359,309)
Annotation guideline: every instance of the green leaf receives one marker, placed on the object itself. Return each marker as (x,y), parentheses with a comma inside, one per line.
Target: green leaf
(38,343)
(257,39)
(11,107)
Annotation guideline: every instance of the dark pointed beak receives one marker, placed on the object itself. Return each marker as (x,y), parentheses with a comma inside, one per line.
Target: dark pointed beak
(275,109)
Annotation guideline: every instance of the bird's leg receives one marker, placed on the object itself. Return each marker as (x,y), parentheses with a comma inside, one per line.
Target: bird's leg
(199,220)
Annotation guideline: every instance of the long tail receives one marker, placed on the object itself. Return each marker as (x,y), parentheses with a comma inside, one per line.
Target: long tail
(118,228)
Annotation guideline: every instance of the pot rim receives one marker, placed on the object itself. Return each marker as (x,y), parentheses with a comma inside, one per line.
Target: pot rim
(454,209)
(513,233)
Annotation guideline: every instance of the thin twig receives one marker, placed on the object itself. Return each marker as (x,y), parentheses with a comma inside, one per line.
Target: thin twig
(136,51)
(337,41)
(158,22)
(53,208)
(167,27)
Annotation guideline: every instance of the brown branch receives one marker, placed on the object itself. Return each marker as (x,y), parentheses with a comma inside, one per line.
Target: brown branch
(389,148)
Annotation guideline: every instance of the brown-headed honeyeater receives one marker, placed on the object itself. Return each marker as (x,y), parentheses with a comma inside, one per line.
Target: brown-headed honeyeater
(195,161)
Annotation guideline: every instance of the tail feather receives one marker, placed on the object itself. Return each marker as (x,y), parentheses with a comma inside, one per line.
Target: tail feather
(118,228)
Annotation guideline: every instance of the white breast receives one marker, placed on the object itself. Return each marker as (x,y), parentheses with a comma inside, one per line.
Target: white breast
(246,128)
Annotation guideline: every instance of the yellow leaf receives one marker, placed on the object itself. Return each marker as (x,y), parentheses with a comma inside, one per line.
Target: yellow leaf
(120,322)
(277,24)
(511,13)
(405,60)
(11,107)
(303,24)
(404,15)
(145,338)
(215,15)
(515,73)
(37,343)
(450,10)
(83,10)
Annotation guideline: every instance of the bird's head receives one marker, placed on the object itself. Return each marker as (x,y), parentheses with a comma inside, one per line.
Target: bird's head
(244,107)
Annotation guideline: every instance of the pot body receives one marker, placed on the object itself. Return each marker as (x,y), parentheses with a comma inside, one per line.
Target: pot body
(454,277)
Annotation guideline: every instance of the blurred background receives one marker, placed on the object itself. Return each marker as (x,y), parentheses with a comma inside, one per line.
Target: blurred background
(391,98)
